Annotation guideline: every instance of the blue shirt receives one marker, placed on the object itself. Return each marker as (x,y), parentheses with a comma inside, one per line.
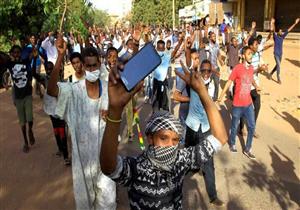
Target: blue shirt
(184,106)
(160,73)
(197,114)
(278,41)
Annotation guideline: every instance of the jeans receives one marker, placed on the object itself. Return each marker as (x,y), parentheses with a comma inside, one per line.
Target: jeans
(181,71)
(237,113)
(216,79)
(193,138)
(256,103)
(277,66)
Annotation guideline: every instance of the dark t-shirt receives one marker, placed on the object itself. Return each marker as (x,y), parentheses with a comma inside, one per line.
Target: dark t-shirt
(278,41)
(22,76)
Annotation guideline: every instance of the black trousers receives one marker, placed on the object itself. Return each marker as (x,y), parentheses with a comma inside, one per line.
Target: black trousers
(59,128)
(193,138)
(160,93)
(256,103)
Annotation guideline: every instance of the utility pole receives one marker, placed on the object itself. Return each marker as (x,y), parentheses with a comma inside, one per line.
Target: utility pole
(173,14)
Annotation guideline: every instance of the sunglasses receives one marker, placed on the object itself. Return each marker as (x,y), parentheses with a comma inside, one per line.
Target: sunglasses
(205,70)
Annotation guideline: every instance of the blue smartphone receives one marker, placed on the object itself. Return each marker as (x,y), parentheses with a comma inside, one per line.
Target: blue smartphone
(140,66)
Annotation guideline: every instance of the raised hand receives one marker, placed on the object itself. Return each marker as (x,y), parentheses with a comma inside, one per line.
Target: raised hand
(61,45)
(273,20)
(136,35)
(297,20)
(118,95)
(192,78)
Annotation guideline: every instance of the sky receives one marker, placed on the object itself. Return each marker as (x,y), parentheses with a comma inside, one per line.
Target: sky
(115,7)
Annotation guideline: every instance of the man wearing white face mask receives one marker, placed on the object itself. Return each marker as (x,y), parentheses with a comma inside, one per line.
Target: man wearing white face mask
(81,104)
(160,82)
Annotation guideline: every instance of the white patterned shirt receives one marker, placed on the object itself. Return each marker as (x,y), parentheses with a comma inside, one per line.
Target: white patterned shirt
(92,189)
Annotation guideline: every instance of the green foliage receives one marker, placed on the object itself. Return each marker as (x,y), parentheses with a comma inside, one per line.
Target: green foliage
(156,11)
(23,17)
(101,18)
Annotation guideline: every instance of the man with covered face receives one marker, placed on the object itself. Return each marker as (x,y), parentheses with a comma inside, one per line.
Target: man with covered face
(82,105)
(278,43)
(155,177)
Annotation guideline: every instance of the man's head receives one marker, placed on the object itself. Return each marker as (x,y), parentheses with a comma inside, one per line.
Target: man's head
(160,46)
(49,66)
(32,40)
(168,44)
(91,64)
(163,129)
(112,57)
(234,42)
(15,52)
(212,37)
(253,44)
(195,58)
(280,32)
(247,54)
(205,69)
(129,45)
(259,38)
(76,61)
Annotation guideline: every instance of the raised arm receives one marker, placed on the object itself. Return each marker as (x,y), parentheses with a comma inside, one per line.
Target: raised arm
(118,98)
(227,85)
(293,26)
(61,46)
(253,26)
(176,48)
(195,81)
(272,28)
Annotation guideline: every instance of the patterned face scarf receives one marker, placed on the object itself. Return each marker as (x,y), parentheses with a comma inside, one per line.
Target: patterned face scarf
(163,157)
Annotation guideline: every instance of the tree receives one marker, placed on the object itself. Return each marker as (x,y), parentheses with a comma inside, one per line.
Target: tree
(22,17)
(156,11)
(101,18)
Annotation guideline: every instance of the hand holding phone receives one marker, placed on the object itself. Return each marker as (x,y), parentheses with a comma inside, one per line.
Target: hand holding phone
(140,66)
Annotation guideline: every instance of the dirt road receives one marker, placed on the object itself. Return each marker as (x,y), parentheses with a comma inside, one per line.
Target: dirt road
(39,180)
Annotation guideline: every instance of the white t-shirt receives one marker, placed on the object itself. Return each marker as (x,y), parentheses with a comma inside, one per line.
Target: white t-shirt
(92,189)
(50,49)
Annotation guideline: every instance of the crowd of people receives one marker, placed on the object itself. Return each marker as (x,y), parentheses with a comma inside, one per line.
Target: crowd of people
(89,104)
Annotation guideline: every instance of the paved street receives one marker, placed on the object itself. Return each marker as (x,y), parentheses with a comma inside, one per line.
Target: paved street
(40,181)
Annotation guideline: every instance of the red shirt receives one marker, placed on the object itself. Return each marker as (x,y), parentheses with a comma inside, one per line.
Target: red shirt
(243,78)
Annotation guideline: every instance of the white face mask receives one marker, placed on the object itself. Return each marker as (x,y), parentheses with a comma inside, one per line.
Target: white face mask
(192,64)
(206,81)
(130,50)
(92,76)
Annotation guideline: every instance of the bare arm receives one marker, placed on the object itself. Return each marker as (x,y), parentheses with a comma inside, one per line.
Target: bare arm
(293,26)
(194,79)
(253,26)
(227,85)
(118,98)
(52,89)
(176,48)
(177,96)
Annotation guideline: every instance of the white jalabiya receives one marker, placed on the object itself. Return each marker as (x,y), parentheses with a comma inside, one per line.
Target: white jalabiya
(92,189)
